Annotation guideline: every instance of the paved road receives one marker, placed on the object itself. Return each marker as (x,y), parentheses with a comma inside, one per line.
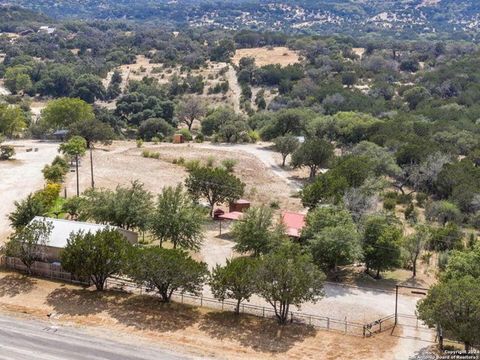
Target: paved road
(27,339)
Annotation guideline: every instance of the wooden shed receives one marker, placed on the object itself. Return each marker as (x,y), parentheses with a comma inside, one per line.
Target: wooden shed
(178,139)
(239,206)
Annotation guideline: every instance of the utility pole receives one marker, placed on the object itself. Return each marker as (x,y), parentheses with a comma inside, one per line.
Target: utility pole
(91,166)
(76,170)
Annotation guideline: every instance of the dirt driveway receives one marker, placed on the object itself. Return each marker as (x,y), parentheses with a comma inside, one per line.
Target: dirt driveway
(21,176)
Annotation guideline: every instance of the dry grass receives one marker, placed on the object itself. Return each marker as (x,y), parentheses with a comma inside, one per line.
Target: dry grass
(268,56)
(196,330)
(122,162)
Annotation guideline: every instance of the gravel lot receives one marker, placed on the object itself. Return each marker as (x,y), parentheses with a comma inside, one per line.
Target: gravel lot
(21,176)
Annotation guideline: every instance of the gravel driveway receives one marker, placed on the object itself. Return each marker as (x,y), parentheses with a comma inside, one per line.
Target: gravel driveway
(21,176)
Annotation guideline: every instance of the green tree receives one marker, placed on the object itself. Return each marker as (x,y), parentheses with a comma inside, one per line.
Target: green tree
(443,212)
(96,256)
(54,173)
(415,96)
(454,306)
(463,263)
(73,206)
(75,148)
(336,246)
(26,210)
(93,131)
(6,152)
(286,145)
(154,127)
(167,270)
(414,244)
(61,113)
(313,153)
(29,243)
(256,232)
(381,244)
(216,185)
(89,87)
(12,120)
(236,280)
(190,109)
(287,277)
(178,219)
(17,79)
(127,207)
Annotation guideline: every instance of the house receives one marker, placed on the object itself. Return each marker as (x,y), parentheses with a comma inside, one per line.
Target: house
(61,230)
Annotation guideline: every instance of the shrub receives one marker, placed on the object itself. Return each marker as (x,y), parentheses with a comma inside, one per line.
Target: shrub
(6,152)
(156,140)
(404,199)
(60,161)
(53,173)
(421,199)
(391,195)
(411,213)
(187,135)
(389,204)
(192,165)
(210,161)
(199,138)
(229,164)
(139,143)
(48,195)
(254,136)
(150,154)
(274,204)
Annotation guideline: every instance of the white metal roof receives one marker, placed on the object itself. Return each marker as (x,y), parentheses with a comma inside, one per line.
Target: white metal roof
(63,228)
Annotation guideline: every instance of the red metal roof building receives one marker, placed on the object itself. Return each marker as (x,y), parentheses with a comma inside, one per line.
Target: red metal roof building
(294,223)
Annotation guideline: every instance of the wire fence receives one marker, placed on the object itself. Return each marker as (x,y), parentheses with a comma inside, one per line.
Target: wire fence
(322,322)
(55,271)
(43,269)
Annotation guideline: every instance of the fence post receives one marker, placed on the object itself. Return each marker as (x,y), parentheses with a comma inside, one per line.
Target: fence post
(201,301)
(310,320)
(380,326)
(182,298)
(263,311)
(291,317)
(345,324)
(222,304)
(328,323)
(363,330)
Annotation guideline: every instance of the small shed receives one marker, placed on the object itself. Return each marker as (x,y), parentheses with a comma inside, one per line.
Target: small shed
(239,206)
(294,223)
(178,139)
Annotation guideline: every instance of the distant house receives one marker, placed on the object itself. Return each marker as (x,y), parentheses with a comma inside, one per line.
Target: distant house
(63,228)
(46,30)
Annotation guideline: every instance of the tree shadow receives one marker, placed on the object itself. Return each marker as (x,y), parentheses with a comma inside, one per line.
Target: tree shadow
(145,312)
(263,335)
(78,302)
(15,284)
(428,352)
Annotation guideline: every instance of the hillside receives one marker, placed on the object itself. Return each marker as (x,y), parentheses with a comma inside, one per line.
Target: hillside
(402,18)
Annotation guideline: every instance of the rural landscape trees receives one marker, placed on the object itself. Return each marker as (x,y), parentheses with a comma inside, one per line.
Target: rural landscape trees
(371,135)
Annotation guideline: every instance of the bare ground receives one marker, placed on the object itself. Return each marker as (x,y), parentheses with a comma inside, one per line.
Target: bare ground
(122,162)
(198,331)
(268,56)
(22,176)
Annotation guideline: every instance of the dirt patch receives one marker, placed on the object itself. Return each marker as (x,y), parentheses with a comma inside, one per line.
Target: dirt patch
(199,331)
(268,56)
(122,163)
(22,176)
